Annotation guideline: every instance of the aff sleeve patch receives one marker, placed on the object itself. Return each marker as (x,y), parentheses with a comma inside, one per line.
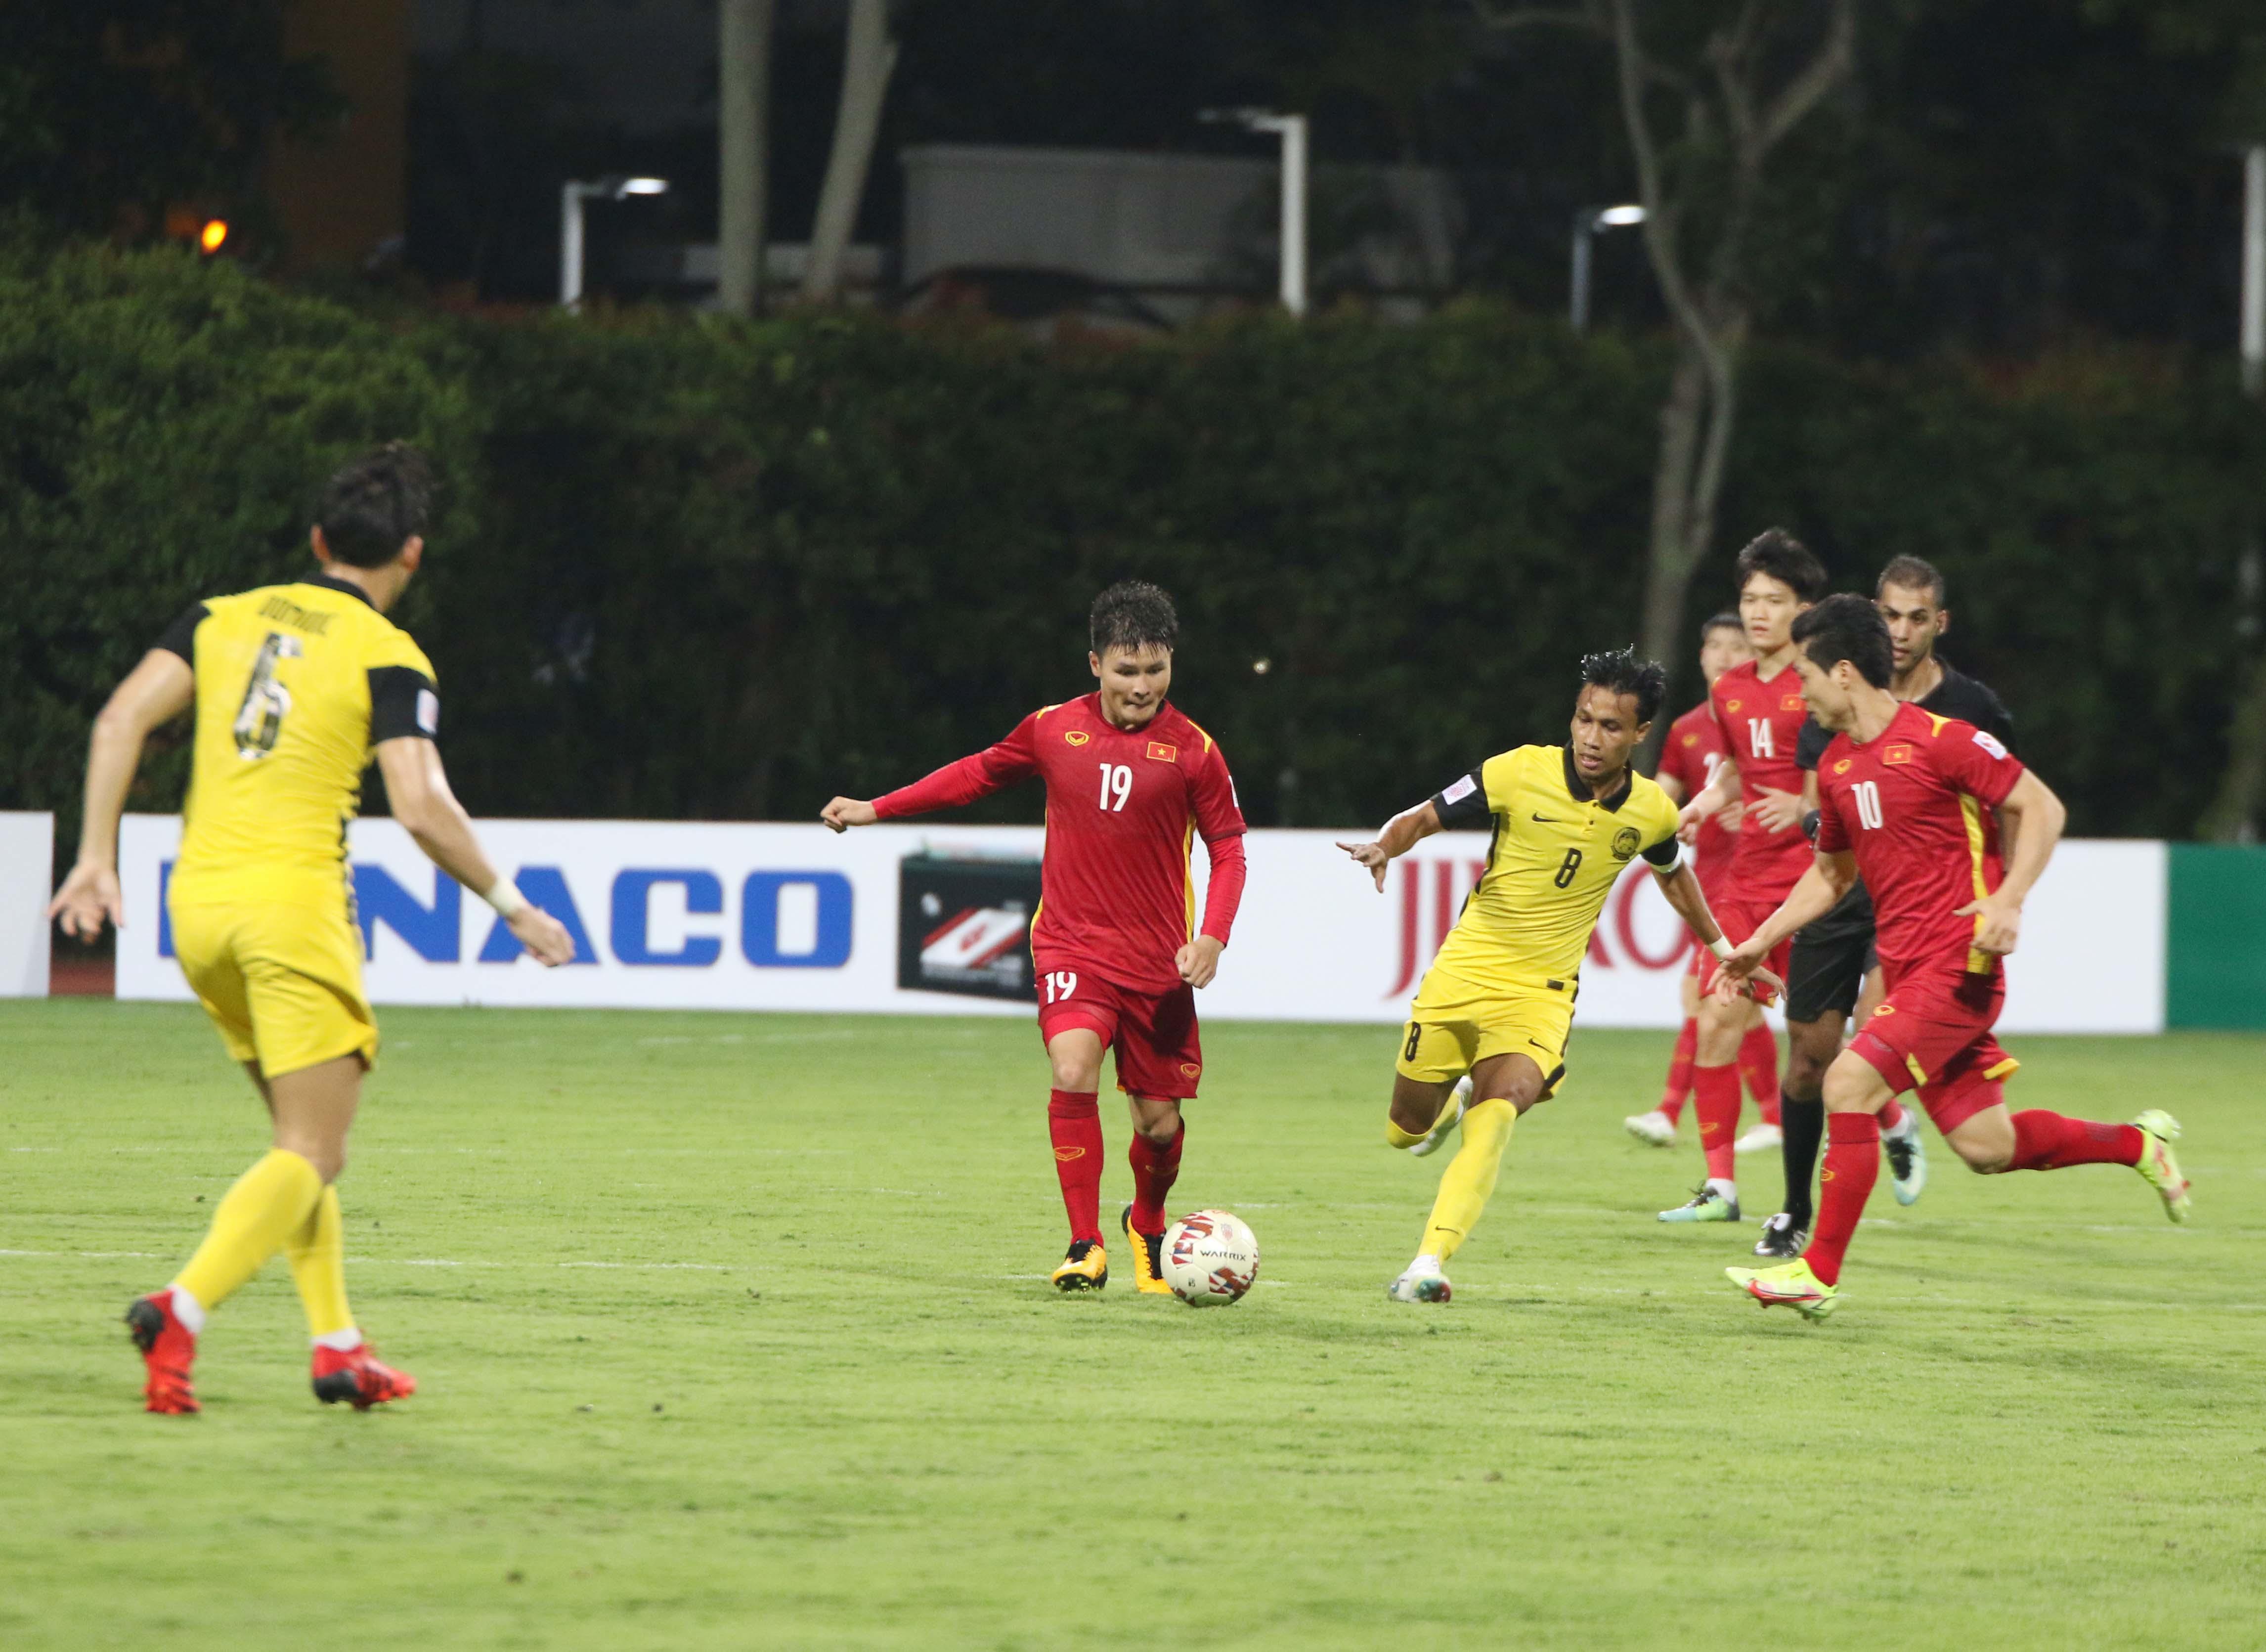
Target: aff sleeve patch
(1989,743)
(1461,790)
(429,711)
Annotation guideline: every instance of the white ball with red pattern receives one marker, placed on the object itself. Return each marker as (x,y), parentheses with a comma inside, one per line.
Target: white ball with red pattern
(1211,1257)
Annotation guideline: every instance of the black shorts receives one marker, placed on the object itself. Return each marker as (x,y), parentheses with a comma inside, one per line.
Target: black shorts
(1832,957)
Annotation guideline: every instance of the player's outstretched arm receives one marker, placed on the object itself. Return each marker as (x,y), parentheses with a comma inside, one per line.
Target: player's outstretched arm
(155,692)
(1681,887)
(2038,818)
(953,786)
(418,788)
(845,812)
(1402,833)
(1831,875)
(1712,799)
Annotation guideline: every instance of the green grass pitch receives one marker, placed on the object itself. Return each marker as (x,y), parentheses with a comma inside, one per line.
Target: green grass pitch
(733,1331)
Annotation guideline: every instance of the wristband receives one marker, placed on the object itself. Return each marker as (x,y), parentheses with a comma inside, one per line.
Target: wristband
(1721,947)
(505,897)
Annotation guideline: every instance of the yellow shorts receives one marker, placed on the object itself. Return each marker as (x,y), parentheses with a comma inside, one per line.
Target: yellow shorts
(281,983)
(1453,1026)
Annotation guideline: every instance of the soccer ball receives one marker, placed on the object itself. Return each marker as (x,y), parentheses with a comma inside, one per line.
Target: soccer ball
(1210,1258)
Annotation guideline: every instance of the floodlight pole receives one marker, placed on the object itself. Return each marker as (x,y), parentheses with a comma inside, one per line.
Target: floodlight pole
(1587,222)
(1292,129)
(571,195)
(2253,270)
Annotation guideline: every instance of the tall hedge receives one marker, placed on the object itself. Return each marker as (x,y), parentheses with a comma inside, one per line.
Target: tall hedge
(698,568)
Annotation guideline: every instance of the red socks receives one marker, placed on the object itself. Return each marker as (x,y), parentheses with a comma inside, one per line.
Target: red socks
(1679,1069)
(1155,1169)
(1852,1164)
(1716,1100)
(2049,1141)
(1074,1122)
(1758,1065)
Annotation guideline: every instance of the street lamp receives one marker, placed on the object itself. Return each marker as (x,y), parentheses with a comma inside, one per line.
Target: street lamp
(1292,130)
(1587,222)
(613,187)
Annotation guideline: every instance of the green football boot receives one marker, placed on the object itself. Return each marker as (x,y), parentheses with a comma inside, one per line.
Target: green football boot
(2157,1166)
(1705,1204)
(1789,1286)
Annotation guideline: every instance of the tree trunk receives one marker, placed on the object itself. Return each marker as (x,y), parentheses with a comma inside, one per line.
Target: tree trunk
(1696,421)
(871,57)
(743,62)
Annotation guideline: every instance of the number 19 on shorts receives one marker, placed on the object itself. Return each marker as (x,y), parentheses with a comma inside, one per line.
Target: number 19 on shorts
(1060,984)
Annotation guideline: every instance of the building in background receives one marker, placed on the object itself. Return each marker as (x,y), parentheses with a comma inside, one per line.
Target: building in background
(342,198)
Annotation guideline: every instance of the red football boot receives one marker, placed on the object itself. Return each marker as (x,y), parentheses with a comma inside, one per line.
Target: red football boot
(356,1376)
(168,1348)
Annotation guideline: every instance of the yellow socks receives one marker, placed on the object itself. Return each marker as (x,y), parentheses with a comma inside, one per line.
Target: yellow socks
(1469,1179)
(317,1254)
(269,1203)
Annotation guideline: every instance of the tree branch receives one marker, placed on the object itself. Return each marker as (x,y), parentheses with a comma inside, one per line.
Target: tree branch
(1834,59)
(1587,18)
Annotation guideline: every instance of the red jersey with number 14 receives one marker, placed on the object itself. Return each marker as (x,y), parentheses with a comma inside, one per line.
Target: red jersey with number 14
(1761,722)
(1913,804)
(1694,751)
(1122,806)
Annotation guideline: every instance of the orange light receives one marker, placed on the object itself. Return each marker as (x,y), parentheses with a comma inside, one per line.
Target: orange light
(213,234)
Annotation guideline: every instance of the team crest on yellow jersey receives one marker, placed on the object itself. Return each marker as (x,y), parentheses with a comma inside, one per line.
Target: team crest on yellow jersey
(1626,842)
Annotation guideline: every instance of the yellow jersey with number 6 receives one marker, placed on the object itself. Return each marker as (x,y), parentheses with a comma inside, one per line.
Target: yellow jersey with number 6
(294,684)
(1556,854)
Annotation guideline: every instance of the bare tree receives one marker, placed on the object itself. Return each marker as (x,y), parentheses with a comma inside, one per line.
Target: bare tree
(872,57)
(743,97)
(1702,123)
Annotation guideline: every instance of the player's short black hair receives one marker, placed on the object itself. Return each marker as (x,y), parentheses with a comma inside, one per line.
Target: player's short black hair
(1623,673)
(1785,559)
(1847,626)
(373,506)
(1133,614)
(1725,621)
(1913,574)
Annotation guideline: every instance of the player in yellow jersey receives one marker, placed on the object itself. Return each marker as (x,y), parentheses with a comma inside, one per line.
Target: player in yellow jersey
(1496,1007)
(294,687)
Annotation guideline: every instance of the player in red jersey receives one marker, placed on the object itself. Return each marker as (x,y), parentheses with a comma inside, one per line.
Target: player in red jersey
(1688,762)
(1759,709)
(1119,955)
(1906,798)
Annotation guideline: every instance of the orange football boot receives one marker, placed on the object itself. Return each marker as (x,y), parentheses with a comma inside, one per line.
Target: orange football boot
(168,1349)
(355,1376)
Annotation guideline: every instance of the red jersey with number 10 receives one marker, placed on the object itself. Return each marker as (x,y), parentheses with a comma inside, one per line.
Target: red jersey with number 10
(1761,721)
(1913,804)
(1694,751)
(1122,805)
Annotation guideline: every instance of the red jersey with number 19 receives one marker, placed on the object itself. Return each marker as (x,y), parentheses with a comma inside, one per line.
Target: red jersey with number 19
(1694,751)
(1761,721)
(1913,805)
(1122,806)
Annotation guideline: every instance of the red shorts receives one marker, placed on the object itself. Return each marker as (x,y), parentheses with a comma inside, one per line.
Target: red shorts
(1158,1053)
(1739,916)
(1933,1033)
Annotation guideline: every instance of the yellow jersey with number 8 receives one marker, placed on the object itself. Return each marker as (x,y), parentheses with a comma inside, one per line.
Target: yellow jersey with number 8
(294,684)
(1556,854)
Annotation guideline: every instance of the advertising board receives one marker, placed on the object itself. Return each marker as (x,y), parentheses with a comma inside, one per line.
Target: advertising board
(926,919)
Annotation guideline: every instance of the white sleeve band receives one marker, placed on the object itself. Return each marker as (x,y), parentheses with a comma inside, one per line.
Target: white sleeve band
(1721,947)
(505,897)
